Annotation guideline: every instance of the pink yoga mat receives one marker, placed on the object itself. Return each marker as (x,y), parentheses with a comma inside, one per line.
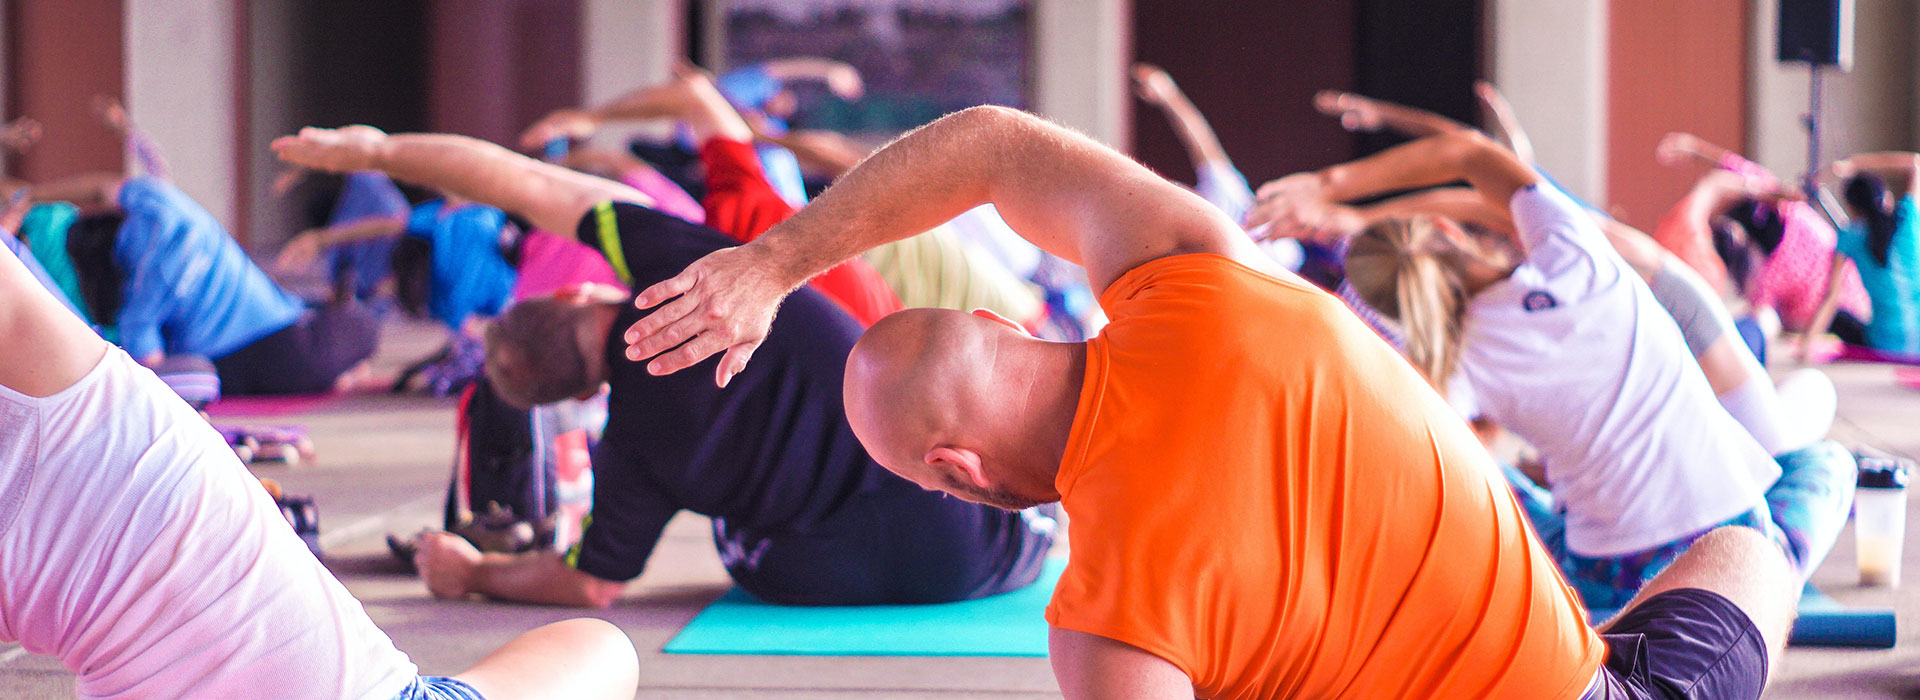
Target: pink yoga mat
(267,406)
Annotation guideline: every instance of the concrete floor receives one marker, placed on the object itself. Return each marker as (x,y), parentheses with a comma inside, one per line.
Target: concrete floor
(383,467)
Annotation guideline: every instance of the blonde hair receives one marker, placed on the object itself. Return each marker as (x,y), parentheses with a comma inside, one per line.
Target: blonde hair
(1407,270)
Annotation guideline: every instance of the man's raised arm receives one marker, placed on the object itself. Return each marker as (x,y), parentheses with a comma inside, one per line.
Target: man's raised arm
(1064,192)
(549,196)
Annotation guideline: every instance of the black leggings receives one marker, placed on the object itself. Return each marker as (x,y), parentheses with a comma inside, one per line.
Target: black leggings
(304,358)
(1850,329)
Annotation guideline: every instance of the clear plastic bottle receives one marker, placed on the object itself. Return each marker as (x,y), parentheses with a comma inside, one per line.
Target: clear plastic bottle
(1880,520)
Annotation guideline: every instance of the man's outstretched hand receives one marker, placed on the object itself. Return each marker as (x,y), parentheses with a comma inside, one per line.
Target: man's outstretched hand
(722,302)
(341,150)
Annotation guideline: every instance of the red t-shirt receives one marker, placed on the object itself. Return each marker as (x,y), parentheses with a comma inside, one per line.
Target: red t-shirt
(742,204)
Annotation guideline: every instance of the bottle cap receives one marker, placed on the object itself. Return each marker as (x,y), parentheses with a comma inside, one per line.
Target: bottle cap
(1884,473)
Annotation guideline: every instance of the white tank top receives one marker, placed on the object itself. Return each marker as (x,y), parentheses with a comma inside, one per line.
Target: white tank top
(137,549)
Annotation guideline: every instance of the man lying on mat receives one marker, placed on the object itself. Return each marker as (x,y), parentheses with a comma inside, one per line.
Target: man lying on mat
(801,514)
(134,547)
(1266,500)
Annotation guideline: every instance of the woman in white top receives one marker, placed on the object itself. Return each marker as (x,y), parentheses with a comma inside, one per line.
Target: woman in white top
(1563,343)
(136,549)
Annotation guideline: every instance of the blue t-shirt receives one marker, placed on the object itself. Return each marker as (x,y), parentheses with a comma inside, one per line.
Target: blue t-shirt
(365,195)
(1893,288)
(190,288)
(749,88)
(469,276)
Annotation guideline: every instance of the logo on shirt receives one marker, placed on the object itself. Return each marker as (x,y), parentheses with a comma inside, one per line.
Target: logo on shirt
(1538,300)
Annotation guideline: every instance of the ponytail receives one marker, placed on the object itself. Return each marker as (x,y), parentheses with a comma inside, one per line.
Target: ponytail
(1866,193)
(1399,268)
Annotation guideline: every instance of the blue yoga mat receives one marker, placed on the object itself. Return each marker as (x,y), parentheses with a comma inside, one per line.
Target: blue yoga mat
(1824,622)
(1009,624)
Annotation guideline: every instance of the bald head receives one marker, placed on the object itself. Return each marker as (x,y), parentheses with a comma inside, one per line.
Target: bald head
(957,402)
(911,379)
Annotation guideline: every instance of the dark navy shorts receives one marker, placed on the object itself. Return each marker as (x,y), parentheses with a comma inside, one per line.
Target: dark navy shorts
(1684,643)
(898,545)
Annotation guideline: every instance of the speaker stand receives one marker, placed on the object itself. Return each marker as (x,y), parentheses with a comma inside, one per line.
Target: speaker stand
(1810,183)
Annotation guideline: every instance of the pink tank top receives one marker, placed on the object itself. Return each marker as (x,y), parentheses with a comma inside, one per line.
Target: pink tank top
(549,263)
(667,197)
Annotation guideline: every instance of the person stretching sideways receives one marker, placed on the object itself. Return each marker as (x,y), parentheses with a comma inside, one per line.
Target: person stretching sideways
(136,549)
(1266,500)
(801,514)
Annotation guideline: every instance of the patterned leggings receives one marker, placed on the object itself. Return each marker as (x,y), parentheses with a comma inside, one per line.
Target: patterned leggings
(1805,512)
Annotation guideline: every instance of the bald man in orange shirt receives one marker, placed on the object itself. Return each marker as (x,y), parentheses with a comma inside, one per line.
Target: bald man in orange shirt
(1266,500)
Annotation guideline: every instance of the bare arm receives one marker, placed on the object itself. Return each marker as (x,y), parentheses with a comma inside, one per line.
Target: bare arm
(843,79)
(1362,113)
(1309,199)
(1899,165)
(1829,307)
(691,99)
(1341,222)
(1064,192)
(306,246)
(1505,124)
(1458,203)
(48,348)
(89,191)
(145,154)
(1156,88)
(819,151)
(551,197)
(452,568)
(1092,667)
(1679,146)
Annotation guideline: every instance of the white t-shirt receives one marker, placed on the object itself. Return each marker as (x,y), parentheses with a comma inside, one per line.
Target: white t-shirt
(137,549)
(1573,354)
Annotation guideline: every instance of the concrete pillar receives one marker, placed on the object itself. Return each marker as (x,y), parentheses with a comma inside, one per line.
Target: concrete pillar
(1080,65)
(1550,58)
(180,71)
(628,43)
(625,44)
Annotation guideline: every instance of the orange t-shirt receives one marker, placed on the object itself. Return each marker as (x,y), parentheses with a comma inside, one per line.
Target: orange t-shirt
(742,204)
(1266,495)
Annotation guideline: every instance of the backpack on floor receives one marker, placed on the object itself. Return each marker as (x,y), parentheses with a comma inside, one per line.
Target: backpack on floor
(522,480)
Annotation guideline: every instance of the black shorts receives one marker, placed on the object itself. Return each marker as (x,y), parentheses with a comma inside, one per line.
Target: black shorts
(1684,643)
(304,358)
(896,545)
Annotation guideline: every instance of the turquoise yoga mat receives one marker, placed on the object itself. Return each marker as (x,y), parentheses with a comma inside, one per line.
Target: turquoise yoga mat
(1009,624)
(1824,622)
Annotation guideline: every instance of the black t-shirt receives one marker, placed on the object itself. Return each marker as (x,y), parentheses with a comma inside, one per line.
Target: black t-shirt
(771,453)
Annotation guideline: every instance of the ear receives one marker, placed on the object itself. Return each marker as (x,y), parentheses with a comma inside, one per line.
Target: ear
(960,459)
(988,314)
